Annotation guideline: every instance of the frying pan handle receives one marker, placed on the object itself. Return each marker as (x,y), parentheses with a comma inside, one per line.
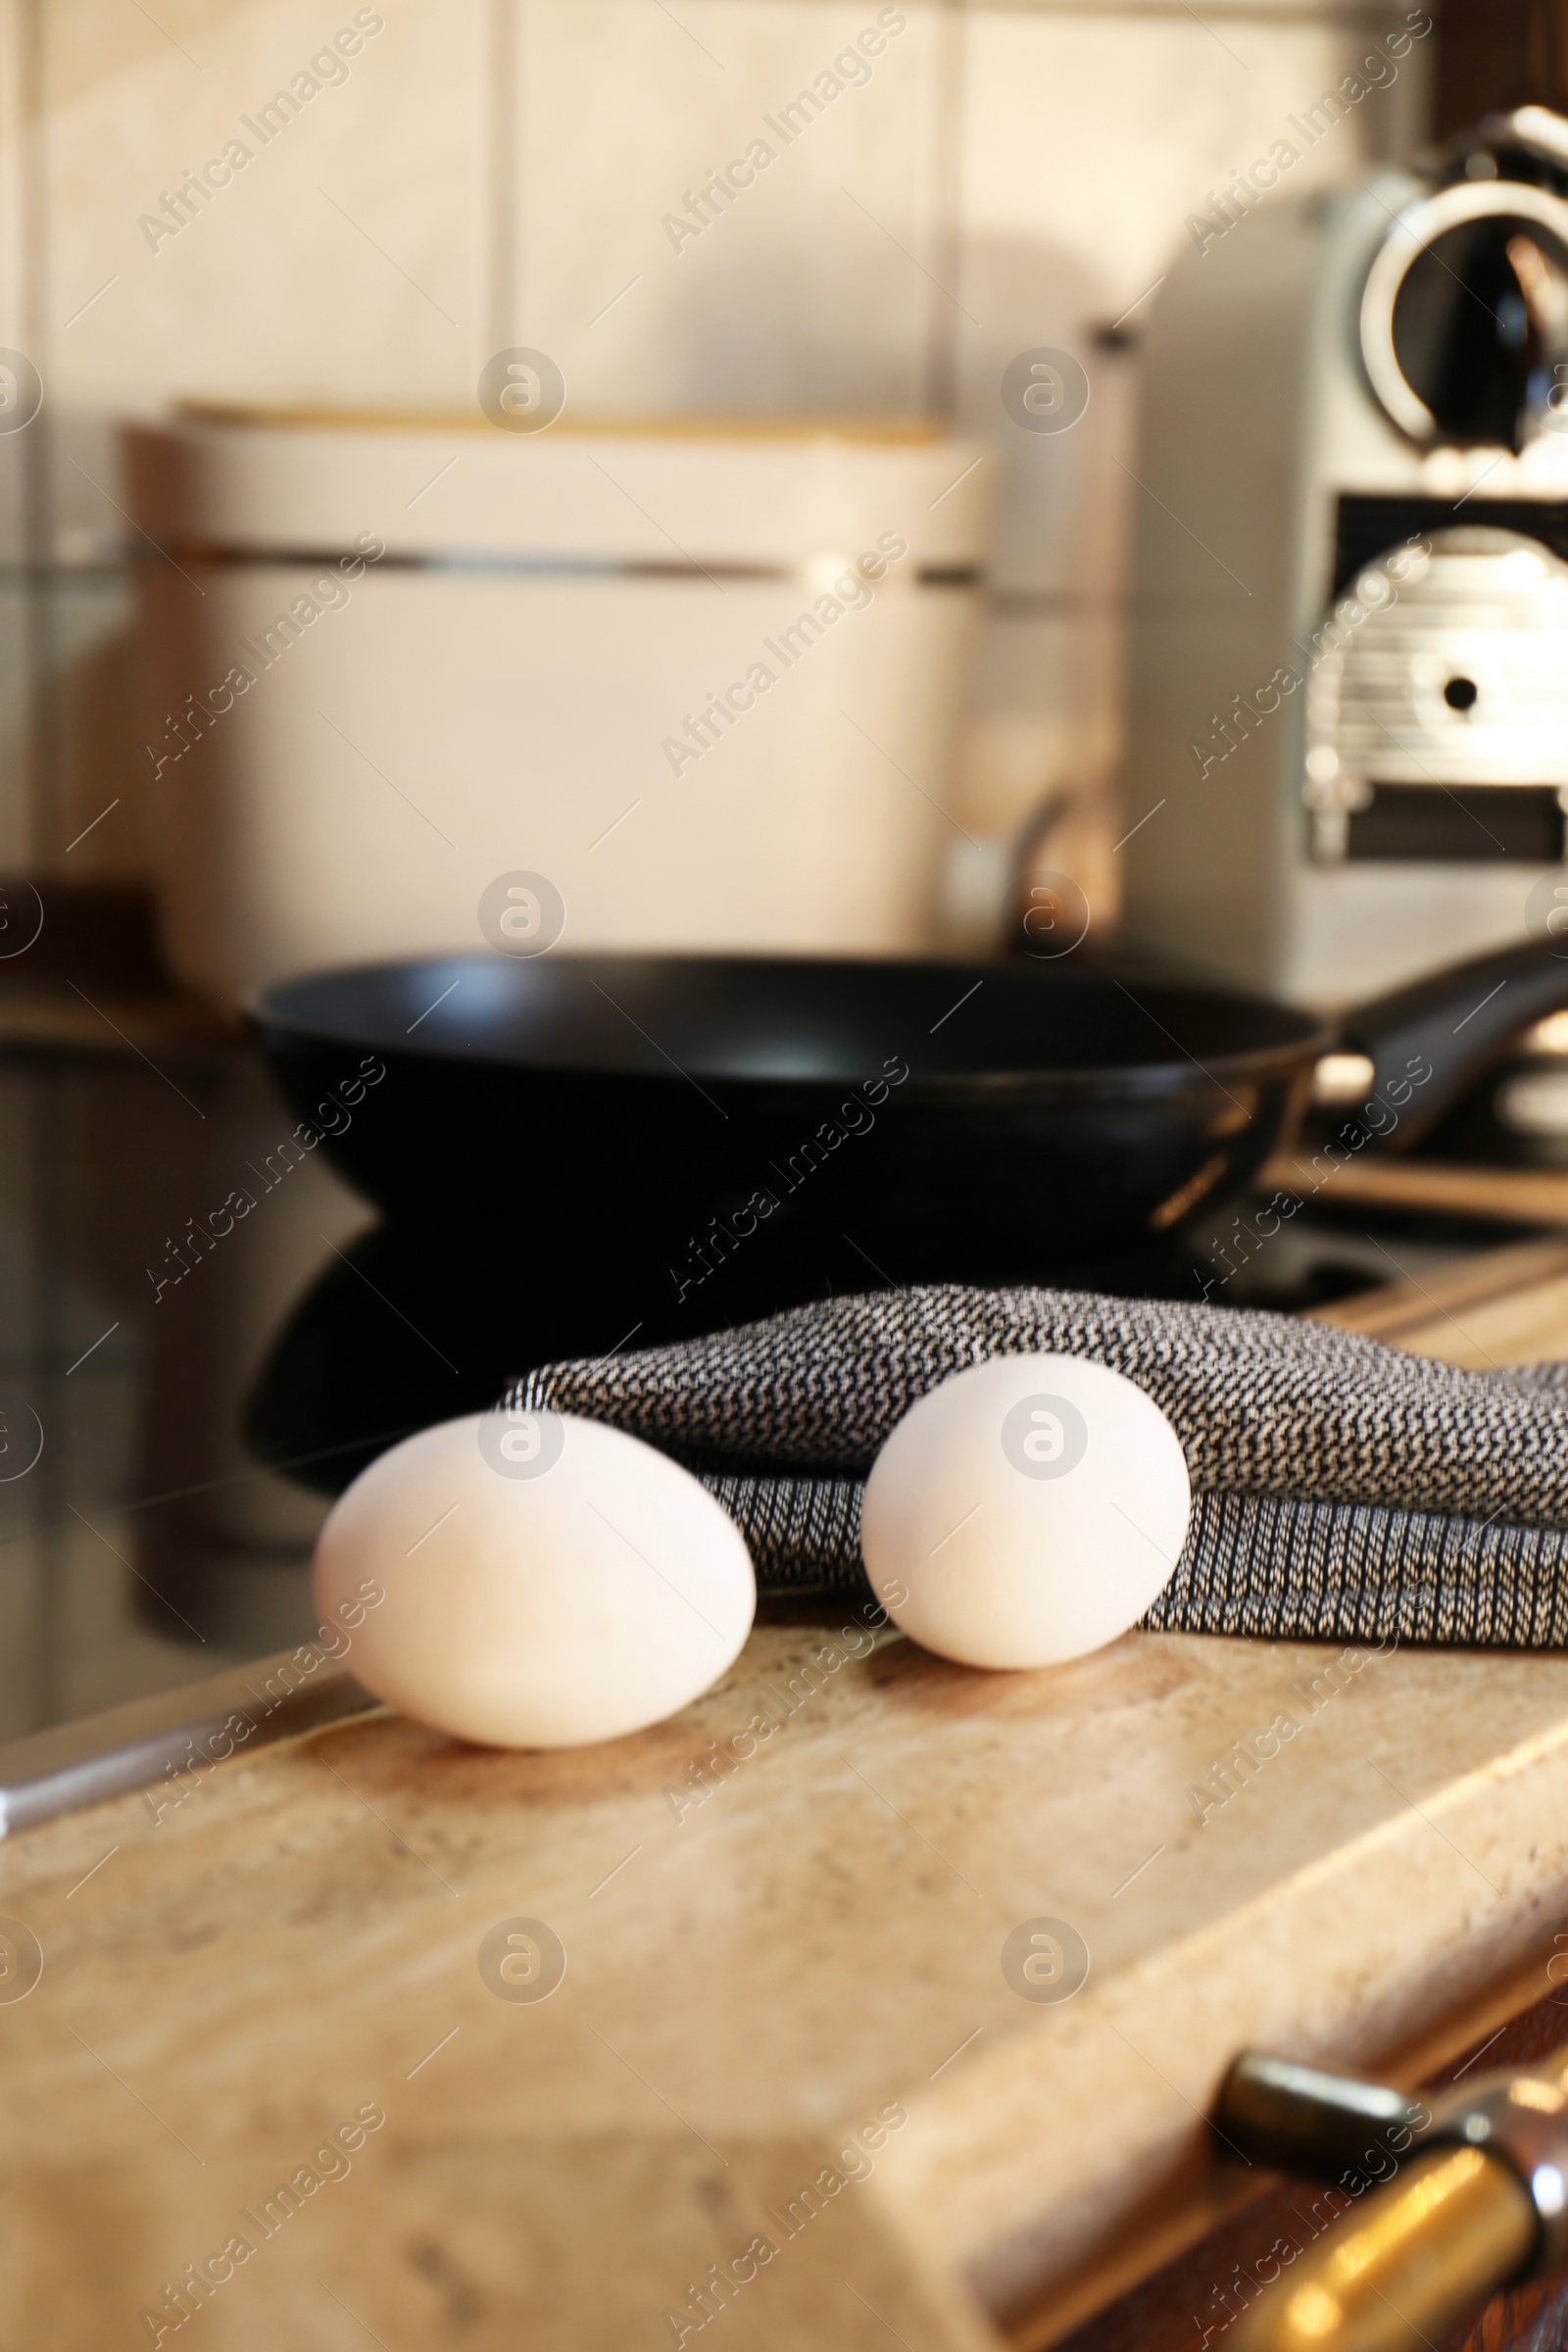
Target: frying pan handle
(1429,1042)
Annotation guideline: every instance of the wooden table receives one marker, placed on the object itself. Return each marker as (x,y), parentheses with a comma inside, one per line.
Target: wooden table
(785,2058)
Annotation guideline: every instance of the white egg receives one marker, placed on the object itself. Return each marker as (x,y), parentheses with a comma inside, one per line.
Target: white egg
(547,1580)
(1026,1511)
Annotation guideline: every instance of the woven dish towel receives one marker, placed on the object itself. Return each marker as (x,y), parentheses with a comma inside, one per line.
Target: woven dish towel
(1340,1489)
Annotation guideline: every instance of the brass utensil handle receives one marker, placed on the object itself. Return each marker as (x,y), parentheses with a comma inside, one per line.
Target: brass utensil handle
(1479,2203)
(1407,2267)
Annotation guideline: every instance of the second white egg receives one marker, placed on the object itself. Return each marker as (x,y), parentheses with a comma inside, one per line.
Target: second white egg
(1026,1511)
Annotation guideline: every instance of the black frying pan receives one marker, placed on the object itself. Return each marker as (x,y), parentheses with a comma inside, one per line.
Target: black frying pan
(723,1135)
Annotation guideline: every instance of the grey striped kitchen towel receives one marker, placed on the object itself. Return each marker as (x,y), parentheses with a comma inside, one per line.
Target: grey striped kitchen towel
(1340,1489)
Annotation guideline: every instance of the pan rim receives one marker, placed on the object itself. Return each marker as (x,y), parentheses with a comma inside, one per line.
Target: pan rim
(274,1020)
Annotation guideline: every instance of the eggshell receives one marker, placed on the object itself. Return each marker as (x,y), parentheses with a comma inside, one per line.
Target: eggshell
(548,1581)
(1026,1511)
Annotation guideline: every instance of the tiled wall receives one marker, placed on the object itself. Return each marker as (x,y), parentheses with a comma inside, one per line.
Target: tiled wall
(497,172)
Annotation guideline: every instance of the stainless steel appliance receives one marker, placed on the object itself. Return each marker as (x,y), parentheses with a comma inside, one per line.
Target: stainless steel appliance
(1349,662)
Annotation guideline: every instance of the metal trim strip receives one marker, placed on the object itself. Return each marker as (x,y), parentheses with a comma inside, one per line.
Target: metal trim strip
(221,555)
(74,1765)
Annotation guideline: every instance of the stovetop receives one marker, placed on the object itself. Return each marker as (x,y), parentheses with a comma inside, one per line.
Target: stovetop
(174,1416)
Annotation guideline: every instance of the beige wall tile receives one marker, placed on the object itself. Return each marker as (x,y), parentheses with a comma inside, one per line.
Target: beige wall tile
(808,292)
(343,262)
(1087,143)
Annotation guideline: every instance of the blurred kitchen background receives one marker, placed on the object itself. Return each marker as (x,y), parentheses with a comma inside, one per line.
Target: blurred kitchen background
(493,174)
(457,182)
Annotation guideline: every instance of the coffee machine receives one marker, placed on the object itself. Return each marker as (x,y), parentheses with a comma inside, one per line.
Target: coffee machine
(1349,721)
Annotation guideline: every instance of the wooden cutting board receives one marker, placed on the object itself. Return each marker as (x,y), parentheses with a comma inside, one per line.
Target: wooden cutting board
(790,2090)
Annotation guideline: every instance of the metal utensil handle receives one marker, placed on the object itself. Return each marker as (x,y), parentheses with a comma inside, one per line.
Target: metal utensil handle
(177,1732)
(1407,2267)
(1481,2203)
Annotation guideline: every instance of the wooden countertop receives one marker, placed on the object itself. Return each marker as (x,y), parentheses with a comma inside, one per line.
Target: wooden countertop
(760,1986)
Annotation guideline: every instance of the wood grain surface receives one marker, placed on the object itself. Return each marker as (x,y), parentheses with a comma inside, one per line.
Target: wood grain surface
(1525,1196)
